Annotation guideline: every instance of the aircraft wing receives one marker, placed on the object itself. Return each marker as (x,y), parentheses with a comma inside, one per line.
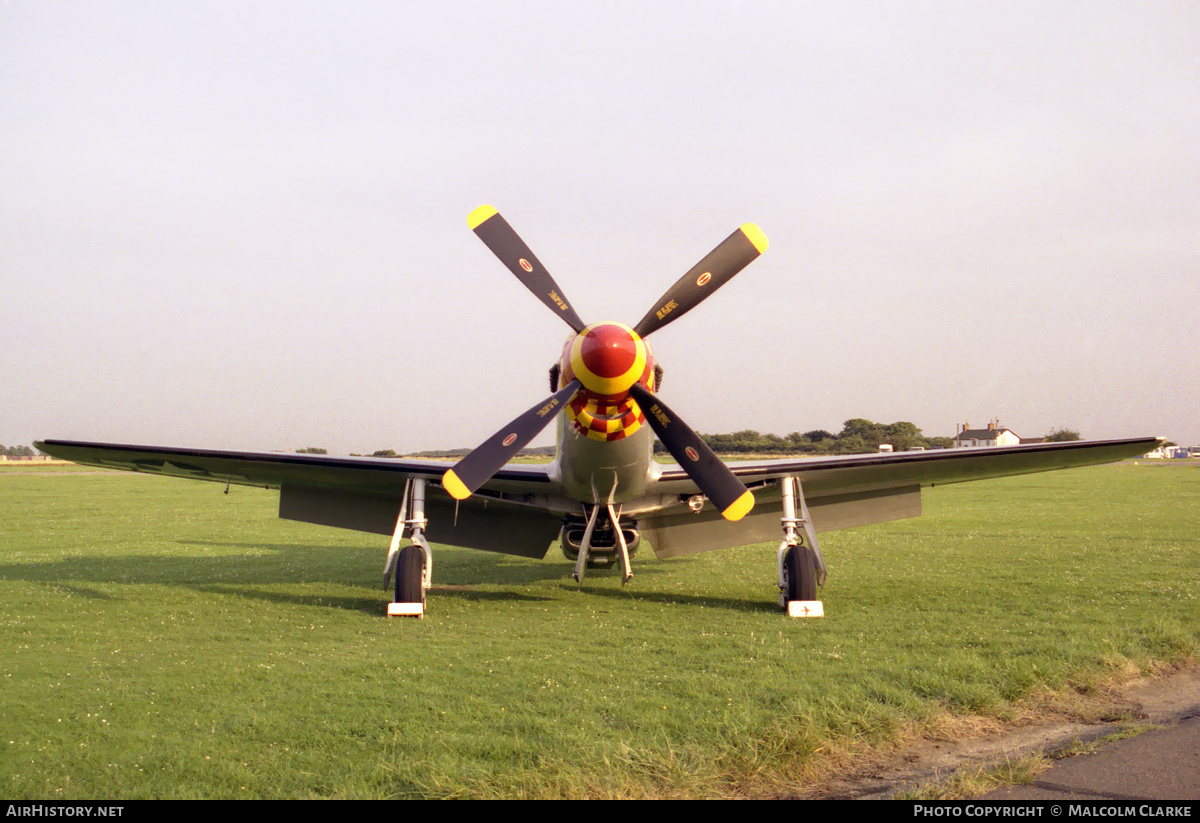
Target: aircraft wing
(932,467)
(519,511)
(843,491)
(361,493)
(275,469)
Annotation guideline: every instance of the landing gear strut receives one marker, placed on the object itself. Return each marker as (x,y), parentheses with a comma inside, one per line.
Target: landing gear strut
(801,568)
(412,565)
(585,545)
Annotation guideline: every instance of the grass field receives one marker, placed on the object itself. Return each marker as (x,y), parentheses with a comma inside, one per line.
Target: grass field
(161,639)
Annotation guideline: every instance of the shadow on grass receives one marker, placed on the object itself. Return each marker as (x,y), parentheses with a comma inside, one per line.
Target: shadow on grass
(767,604)
(91,594)
(364,604)
(227,567)
(243,568)
(375,605)
(276,563)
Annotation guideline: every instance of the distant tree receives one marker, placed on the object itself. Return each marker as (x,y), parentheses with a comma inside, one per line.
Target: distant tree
(855,444)
(311,450)
(857,425)
(858,436)
(902,435)
(861,435)
(773,443)
(740,441)
(384,453)
(861,427)
(1062,435)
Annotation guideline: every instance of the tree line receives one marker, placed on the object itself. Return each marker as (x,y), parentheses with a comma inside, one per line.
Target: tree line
(17,451)
(857,436)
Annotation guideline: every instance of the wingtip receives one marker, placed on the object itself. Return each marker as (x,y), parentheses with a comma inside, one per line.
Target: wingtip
(479,215)
(454,486)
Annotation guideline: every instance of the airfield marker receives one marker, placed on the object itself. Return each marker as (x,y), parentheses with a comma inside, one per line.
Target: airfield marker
(806,608)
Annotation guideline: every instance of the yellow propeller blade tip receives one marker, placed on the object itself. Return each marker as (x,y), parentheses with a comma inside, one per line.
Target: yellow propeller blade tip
(739,508)
(479,215)
(756,236)
(452,484)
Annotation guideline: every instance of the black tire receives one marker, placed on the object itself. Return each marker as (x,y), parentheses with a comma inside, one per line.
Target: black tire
(800,573)
(410,568)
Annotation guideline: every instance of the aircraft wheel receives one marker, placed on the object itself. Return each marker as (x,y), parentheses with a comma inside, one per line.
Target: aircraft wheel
(410,568)
(800,574)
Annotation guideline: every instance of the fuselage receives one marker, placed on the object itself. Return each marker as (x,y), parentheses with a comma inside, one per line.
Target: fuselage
(605,448)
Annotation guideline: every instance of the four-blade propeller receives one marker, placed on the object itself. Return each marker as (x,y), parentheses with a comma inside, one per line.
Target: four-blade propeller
(498,236)
(613,347)
(478,467)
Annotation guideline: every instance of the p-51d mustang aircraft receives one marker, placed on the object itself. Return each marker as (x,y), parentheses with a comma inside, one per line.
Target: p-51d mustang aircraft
(602,495)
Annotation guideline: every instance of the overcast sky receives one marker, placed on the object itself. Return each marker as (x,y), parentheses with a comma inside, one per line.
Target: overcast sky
(243,225)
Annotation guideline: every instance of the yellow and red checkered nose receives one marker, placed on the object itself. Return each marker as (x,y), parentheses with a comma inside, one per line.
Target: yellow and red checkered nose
(608,358)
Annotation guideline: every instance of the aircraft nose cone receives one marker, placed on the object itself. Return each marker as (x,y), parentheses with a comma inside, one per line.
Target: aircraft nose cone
(608,350)
(608,358)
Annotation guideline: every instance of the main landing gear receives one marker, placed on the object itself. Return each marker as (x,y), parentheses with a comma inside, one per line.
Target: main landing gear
(801,568)
(412,565)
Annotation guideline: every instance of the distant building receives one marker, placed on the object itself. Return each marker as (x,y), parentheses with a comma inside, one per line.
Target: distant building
(1170,453)
(993,435)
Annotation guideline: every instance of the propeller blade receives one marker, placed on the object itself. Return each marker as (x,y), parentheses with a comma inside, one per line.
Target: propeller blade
(714,478)
(498,236)
(715,270)
(478,467)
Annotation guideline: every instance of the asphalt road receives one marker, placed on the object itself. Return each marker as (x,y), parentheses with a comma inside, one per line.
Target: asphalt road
(1158,765)
(1159,759)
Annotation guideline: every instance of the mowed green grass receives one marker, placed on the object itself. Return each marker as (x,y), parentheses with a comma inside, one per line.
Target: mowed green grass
(161,639)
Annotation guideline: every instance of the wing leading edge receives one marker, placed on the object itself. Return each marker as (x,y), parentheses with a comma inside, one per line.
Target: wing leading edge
(378,475)
(360,493)
(844,491)
(852,472)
